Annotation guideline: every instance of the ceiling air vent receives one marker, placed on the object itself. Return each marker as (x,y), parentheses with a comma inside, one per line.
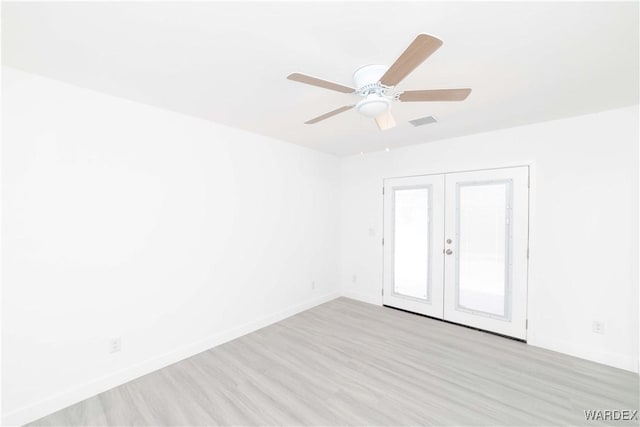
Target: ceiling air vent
(423,121)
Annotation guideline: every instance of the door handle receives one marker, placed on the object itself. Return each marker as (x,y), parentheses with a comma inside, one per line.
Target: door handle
(449,252)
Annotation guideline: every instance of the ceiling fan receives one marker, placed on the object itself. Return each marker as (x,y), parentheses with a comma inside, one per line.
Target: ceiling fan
(376,83)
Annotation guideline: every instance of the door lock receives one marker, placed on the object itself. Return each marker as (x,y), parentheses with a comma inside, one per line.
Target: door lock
(449,252)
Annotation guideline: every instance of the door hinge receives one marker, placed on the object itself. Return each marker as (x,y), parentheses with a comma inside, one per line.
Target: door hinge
(382,291)
(526,324)
(527,252)
(383,241)
(383,191)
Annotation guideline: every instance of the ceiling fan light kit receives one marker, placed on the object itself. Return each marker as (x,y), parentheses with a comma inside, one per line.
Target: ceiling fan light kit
(376,83)
(373,105)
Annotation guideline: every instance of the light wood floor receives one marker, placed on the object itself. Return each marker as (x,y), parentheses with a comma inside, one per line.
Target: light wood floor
(350,363)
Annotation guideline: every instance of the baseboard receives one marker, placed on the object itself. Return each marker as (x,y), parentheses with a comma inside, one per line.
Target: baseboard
(615,360)
(375,300)
(611,359)
(71,396)
(371,299)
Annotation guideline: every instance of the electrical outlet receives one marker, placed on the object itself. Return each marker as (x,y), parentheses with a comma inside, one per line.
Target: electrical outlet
(598,327)
(115,345)
(313,284)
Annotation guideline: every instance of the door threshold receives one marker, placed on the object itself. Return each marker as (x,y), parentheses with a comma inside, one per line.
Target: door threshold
(457,324)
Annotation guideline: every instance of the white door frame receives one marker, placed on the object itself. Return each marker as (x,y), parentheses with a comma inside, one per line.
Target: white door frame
(532,219)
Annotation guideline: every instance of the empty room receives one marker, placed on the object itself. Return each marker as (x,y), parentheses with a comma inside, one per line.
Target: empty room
(320,213)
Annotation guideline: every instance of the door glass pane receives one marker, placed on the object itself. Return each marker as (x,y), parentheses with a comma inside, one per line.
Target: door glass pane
(411,242)
(483,247)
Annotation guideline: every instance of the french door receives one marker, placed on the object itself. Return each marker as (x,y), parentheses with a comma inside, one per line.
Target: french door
(414,229)
(456,247)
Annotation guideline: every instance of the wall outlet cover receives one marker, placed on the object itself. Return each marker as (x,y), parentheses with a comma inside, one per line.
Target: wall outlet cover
(115,345)
(598,327)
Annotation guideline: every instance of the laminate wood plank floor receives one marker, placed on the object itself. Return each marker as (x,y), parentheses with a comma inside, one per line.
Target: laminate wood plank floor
(351,363)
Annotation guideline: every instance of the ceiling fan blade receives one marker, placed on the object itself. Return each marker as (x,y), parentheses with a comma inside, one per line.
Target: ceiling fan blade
(419,50)
(435,95)
(314,81)
(329,114)
(386,121)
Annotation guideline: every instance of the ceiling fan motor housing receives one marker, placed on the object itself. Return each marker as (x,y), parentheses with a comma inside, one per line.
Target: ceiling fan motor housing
(369,75)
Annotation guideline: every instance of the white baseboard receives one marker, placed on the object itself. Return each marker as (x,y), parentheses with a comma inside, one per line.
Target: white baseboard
(71,396)
(611,359)
(615,360)
(375,300)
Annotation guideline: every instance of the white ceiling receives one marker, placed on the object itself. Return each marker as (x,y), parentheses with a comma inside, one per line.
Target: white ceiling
(228,62)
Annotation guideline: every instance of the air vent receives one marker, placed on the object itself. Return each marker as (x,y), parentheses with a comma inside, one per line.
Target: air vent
(423,121)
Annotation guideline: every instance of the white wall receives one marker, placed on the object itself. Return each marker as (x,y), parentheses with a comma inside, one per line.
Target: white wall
(120,219)
(584,244)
